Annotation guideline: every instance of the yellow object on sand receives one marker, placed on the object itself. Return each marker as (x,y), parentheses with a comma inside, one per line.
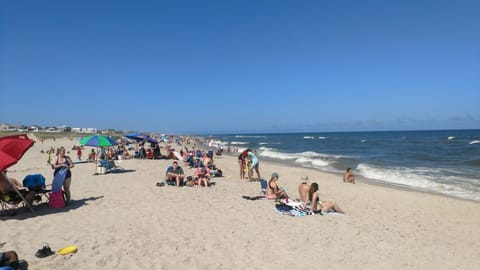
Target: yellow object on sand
(67,250)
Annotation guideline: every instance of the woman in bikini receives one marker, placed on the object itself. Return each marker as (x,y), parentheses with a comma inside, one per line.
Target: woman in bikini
(314,200)
(63,161)
(273,191)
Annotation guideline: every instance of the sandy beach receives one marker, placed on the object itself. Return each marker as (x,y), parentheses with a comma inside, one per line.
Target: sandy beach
(124,221)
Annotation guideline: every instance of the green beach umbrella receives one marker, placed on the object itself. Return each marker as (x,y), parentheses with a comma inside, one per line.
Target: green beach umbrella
(97,141)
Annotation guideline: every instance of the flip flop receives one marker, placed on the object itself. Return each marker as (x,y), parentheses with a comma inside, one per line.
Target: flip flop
(44,252)
(67,250)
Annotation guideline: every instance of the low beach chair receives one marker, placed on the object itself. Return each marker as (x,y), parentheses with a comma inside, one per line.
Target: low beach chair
(109,166)
(13,199)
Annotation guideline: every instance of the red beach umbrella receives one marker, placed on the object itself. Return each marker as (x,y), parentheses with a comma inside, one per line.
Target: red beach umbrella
(12,149)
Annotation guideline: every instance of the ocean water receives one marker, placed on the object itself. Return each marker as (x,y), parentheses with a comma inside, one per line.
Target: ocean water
(446,161)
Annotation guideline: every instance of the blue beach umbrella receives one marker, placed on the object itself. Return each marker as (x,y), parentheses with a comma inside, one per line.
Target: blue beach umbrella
(141,137)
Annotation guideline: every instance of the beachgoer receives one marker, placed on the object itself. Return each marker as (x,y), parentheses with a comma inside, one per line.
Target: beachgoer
(202,174)
(79,153)
(8,185)
(63,161)
(175,174)
(92,156)
(254,165)
(349,177)
(9,260)
(273,191)
(313,199)
(241,163)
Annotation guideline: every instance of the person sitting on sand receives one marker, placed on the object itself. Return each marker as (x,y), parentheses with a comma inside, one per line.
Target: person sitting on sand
(273,191)
(9,260)
(309,195)
(349,177)
(175,174)
(202,175)
(8,185)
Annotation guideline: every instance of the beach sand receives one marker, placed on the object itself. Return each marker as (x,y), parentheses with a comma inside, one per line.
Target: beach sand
(124,221)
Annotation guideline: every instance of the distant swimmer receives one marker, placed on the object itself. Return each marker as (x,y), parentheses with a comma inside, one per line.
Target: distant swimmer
(349,177)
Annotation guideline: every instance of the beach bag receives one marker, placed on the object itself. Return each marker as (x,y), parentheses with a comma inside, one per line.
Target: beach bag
(56,199)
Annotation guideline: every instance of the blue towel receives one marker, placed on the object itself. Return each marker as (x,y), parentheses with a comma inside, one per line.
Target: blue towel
(59,179)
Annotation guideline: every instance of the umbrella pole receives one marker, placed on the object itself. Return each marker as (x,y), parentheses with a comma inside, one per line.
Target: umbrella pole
(96,160)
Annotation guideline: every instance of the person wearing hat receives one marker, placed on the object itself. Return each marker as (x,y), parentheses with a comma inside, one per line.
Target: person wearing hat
(273,191)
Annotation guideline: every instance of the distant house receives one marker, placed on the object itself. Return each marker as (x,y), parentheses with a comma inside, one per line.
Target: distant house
(52,129)
(34,128)
(4,127)
(84,130)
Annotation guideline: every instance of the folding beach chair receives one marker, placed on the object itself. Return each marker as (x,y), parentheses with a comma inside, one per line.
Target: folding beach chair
(14,198)
(108,166)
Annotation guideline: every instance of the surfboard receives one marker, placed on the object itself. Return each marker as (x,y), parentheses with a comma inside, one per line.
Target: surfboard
(178,156)
(67,250)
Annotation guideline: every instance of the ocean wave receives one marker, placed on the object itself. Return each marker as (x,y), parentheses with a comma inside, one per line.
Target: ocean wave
(322,138)
(239,143)
(308,158)
(431,179)
(474,142)
(308,137)
(250,136)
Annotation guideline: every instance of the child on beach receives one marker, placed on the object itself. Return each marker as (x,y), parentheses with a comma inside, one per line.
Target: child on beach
(349,177)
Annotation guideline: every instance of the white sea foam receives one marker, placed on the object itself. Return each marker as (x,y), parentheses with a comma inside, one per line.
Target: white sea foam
(362,141)
(423,178)
(308,158)
(322,138)
(262,143)
(451,138)
(474,142)
(239,143)
(308,137)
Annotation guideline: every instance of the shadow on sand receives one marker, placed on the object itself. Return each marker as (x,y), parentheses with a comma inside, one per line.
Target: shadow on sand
(43,209)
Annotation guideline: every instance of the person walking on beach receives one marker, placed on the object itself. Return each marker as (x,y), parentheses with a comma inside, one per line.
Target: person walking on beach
(79,153)
(349,177)
(241,163)
(254,165)
(63,161)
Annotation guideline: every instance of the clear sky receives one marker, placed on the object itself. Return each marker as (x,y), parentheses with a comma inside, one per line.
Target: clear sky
(241,66)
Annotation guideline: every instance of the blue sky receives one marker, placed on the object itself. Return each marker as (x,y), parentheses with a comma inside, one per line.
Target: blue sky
(241,66)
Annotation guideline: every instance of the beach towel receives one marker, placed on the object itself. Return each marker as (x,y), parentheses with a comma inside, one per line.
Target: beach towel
(294,211)
(59,179)
(254,198)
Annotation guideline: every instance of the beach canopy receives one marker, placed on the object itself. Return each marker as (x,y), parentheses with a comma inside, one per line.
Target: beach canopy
(141,137)
(12,149)
(97,141)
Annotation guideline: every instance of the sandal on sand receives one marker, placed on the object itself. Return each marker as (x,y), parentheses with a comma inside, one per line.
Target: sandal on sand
(45,251)
(160,184)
